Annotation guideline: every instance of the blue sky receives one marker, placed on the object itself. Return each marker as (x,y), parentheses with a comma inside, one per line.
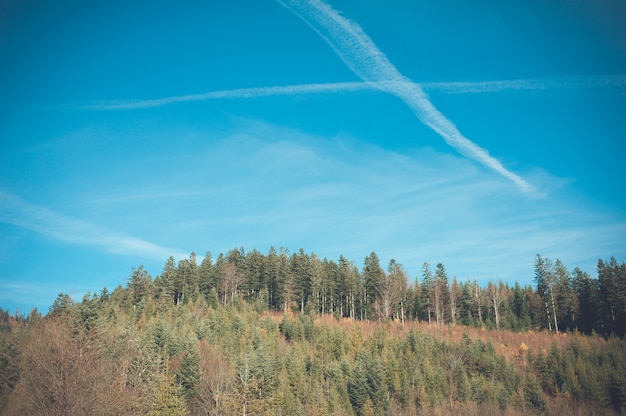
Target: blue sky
(476,134)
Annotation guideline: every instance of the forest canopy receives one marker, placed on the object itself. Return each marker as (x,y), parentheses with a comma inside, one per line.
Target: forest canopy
(290,333)
(282,281)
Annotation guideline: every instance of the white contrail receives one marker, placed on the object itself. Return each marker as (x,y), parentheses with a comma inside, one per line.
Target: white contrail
(615,82)
(361,55)
(480,87)
(234,93)
(14,210)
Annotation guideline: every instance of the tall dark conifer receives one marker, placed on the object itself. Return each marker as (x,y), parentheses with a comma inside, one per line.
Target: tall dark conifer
(586,290)
(427,292)
(373,276)
(440,293)
(546,282)
(612,280)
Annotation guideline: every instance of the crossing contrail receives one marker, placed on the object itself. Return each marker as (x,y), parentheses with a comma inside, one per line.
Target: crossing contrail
(361,55)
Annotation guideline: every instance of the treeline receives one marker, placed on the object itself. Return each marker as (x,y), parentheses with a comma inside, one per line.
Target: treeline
(261,334)
(280,281)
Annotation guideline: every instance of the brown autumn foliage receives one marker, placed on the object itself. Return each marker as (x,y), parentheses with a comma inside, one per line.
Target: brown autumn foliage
(63,374)
(67,371)
(146,350)
(217,383)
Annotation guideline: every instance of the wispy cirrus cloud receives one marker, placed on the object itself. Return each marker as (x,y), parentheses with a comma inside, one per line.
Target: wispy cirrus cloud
(363,198)
(357,50)
(14,210)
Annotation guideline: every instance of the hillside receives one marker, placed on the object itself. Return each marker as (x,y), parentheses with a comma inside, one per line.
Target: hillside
(148,348)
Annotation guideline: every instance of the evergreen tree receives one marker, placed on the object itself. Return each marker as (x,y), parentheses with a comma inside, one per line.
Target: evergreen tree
(184,277)
(367,383)
(62,304)
(271,275)
(168,280)
(254,280)
(342,287)
(586,290)
(140,284)
(546,281)
(330,281)
(426,292)
(207,276)
(169,399)
(520,308)
(456,304)
(373,277)
(285,279)
(188,375)
(302,275)
(566,301)
(612,289)
(440,293)
(317,276)
(470,314)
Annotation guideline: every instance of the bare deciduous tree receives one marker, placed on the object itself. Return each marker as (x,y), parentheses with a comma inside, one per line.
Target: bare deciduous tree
(60,373)
(217,383)
(231,280)
(496,297)
(391,290)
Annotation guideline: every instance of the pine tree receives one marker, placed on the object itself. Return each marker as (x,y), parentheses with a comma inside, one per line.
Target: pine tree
(62,304)
(285,279)
(440,293)
(520,308)
(206,276)
(169,399)
(373,277)
(271,276)
(140,284)
(612,288)
(302,275)
(188,375)
(586,290)
(254,275)
(546,282)
(168,280)
(317,270)
(566,300)
(426,292)
(456,295)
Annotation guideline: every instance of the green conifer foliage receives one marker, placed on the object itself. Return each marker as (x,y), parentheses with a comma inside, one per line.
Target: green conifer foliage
(169,399)
(192,341)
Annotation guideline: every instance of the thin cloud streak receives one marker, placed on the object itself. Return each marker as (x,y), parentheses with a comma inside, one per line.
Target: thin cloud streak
(450,209)
(360,54)
(64,228)
(230,94)
(141,197)
(617,82)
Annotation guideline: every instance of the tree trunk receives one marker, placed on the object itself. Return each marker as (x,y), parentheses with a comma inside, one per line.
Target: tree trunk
(556,325)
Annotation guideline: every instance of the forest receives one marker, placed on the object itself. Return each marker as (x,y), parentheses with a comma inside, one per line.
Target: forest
(286,333)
